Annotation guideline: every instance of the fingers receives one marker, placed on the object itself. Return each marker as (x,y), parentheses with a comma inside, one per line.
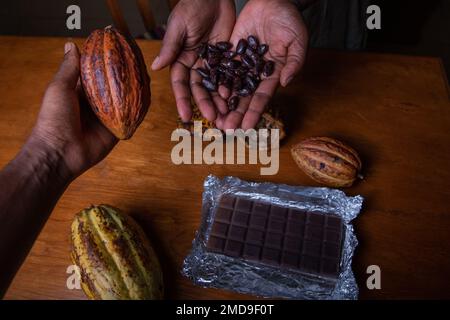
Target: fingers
(220,103)
(237,35)
(294,62)
(233,119)
(179,74)
(201,96)
(224,92)
(172,43)
(69,70)
(259,102)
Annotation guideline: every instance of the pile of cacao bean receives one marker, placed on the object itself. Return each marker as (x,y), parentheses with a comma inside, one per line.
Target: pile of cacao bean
(240,70)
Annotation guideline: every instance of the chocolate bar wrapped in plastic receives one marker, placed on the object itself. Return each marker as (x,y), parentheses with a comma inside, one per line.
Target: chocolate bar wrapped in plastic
(275,240)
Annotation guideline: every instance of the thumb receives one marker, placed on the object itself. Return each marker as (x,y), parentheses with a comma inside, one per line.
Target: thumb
(69,70)
(172,42)
(294,62)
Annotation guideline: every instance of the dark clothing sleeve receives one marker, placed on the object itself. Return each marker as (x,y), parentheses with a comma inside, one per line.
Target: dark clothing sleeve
(337,23)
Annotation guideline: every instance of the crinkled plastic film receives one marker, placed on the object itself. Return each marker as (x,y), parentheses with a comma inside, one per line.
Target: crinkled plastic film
(209,269)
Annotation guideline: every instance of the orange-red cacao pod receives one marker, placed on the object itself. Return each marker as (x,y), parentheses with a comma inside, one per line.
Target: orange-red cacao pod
(115,80)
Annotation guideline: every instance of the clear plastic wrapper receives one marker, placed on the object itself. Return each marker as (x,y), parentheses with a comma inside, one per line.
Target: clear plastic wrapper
(209,269)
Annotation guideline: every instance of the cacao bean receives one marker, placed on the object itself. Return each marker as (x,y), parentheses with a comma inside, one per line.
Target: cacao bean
(224,45)
(203,72)
(262,49)
(212,49)
(229,54)
(233,64)
(253,42)
(233,103)
(244,92)
(241,46)
(268,68)
(202,50)
(209,85)
(247,61)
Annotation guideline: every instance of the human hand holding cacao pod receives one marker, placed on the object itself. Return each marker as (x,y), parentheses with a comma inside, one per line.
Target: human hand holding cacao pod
(66,125)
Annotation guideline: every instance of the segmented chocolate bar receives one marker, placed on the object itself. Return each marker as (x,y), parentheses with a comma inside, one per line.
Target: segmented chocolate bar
(310,242)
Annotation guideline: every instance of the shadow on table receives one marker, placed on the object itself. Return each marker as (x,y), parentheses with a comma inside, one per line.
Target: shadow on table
(169,266)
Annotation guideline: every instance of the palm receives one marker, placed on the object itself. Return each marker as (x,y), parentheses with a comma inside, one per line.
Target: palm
(278,24)
(78,132)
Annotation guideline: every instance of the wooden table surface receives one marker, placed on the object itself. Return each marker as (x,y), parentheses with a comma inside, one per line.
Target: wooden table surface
(394,109)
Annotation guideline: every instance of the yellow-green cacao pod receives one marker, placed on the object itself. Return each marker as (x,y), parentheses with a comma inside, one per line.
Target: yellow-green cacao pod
(114,257)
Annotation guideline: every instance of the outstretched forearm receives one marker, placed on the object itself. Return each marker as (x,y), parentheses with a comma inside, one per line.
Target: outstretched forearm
(30,185)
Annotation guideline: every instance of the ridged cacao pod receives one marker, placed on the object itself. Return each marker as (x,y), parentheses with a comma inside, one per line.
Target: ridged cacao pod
(328,161)
(114,257)
(115,80)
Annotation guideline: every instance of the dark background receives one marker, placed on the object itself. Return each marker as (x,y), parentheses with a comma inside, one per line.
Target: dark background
(413,27)
(408,27)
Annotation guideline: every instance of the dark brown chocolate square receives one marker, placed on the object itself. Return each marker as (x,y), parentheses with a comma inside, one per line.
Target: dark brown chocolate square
(297,215)
(313,233)
(243,205)
(273,240)
(316,219)
(241,218)
(252,251)
(233,248)
(258,222)
(261,208)
(224,214)
(227,201)
(216,244)
(237,233)
(312,248)
(255,236)
(271,256)
(334,222)
(293,244)
(276,225)
(332,235)
(219,229)
(295,228)
(278,212)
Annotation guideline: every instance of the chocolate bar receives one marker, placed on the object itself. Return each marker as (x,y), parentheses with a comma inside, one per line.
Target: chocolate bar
(309,242)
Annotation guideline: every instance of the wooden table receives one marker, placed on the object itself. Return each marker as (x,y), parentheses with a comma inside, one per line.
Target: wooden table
(394,109)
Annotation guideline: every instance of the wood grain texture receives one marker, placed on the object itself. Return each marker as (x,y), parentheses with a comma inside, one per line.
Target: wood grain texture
(393,109)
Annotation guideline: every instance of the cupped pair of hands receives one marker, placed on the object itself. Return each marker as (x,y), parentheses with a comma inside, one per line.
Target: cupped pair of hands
(276,23)
(66,125)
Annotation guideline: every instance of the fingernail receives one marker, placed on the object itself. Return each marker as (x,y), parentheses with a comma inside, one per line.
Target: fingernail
(155,63)
(286,83)
(67,47)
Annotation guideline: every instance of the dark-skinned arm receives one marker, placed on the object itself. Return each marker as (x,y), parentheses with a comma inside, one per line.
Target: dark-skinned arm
(66,140)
